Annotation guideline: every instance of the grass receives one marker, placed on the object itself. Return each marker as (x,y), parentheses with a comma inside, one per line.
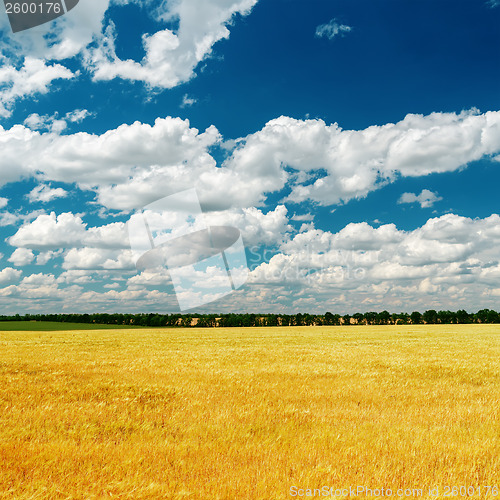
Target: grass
(247,413)
(53,326)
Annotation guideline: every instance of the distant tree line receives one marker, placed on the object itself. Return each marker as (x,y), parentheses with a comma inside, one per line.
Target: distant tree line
(247,320)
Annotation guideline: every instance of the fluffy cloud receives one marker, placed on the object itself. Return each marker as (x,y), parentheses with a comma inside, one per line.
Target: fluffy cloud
(156,278)
(129,166)
(346,164)
(22,257)
(450,261)
(256,227)
(11,219)
(89,258)
(187,101)
(45,194)
(426,198)
(35,76)
(332,29)
(8,219)
(51,231)
(67,293)
(34,58)
(303,217)
(54,124)
(108,246)
(39,289)
(8,275)
(132,165)
(39,280)
(45,122)
(78,115)
(79,277)
(449,258)
(171,55)
(44,257)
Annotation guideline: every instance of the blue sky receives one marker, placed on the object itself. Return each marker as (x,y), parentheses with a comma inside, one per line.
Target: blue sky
(354,144)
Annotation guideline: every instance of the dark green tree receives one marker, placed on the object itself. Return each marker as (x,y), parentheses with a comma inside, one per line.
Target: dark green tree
(416,318)
(430,316)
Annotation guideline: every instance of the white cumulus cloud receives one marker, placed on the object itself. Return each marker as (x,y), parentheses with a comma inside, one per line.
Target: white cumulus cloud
(34,77)
(351,163)
(66,230)
(22,257)
(133,165)
(9,274)
(449,262)
(45,194)
(171,55)
(426,198)
(187,101)
(35,58)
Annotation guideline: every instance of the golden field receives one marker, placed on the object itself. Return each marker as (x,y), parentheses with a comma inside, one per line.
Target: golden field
(247,413)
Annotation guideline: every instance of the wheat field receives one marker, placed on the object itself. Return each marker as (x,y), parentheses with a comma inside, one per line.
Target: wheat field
(257,413)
